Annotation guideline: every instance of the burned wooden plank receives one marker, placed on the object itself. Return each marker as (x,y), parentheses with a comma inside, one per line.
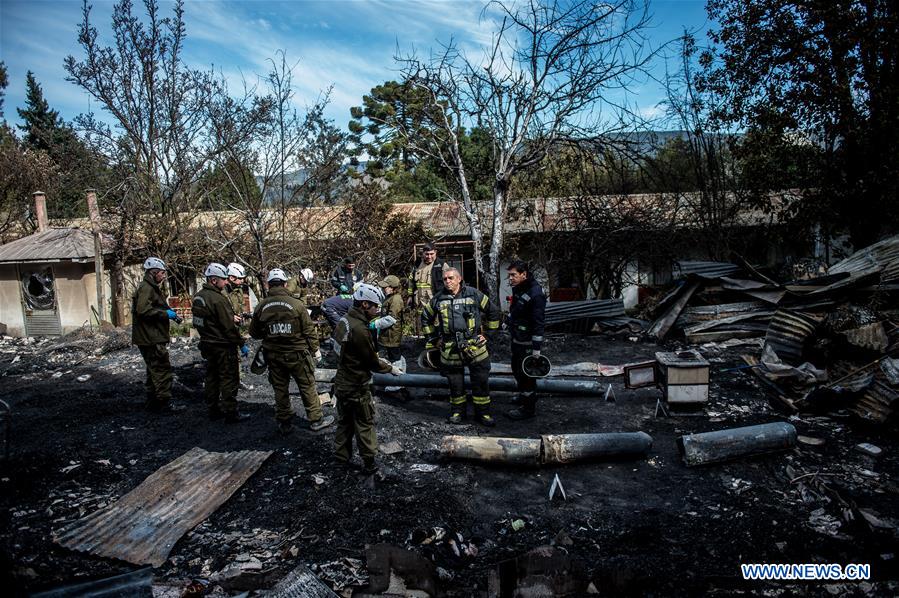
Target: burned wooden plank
(662,325)
(143,526)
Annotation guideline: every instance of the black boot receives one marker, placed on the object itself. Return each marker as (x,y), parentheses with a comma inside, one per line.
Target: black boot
(483,416)
(526,409)
(458,413)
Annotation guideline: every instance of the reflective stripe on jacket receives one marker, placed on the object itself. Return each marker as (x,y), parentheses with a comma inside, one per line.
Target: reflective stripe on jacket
(448,317)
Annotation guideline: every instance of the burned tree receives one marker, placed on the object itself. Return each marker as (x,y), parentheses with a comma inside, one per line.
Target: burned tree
(549,75)
(259,186)
(157,135)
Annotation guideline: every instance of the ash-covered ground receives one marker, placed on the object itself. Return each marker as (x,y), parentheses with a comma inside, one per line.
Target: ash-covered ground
(650,526)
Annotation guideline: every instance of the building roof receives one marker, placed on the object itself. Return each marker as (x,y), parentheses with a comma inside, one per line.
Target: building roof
(52,245)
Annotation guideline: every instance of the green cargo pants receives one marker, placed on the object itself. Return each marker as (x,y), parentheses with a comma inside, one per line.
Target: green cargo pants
(222,377)
(159,374)
(355,417)
(299,366)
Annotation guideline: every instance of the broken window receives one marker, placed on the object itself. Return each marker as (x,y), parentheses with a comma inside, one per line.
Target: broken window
(38,290)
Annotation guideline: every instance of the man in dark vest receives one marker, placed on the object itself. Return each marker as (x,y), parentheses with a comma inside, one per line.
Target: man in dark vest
(526,320)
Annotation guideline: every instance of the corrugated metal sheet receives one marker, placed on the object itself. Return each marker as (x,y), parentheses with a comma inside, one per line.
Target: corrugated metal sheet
(566,311)
(51,245)
(144,525)
(882,256)
(788,333)
(685,268)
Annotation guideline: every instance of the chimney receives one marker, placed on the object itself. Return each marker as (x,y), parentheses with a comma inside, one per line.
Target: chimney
(40,210)
(92,209)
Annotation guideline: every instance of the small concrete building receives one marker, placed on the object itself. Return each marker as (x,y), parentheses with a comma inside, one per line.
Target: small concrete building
(48,283)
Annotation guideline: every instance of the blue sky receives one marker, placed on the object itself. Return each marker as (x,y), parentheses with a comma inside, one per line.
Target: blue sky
(349,44)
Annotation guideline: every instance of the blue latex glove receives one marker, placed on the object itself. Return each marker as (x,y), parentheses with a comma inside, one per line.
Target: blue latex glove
(344,289)
(244,350)
(171,314)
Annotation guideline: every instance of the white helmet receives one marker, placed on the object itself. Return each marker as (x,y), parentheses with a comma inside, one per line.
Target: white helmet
(154,263)
(276,274)
(215,269)
(368,292)
(307,274)
(236,270)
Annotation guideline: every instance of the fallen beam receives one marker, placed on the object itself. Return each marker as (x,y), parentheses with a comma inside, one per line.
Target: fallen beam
(550,449)
(724,445)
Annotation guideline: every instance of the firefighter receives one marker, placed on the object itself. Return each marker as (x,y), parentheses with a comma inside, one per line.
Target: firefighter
(234,291)
(150,314)
(290,347)
(526,317)
(345,276)
(427,279)
(352,384)
(220,341)
(452,322)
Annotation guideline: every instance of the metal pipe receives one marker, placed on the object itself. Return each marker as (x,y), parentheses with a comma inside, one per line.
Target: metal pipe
(568,448)
(571,387)
(724,445)
(515,451)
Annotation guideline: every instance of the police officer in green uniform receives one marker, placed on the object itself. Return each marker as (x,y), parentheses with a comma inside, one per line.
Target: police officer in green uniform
(352,384)
(219,342)
(290,347)
(298,286)
(452,323)
(234,291)
(150,314)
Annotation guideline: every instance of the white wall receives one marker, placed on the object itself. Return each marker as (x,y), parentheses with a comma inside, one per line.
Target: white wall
(11,301)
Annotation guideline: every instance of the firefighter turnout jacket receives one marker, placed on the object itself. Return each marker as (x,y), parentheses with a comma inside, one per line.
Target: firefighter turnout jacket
(454,322)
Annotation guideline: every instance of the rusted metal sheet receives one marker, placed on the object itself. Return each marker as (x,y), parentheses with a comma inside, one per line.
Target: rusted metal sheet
(788,333)
(52,245)
(724,445)
(516,451)
(569,448)
(882,256)
(144,525)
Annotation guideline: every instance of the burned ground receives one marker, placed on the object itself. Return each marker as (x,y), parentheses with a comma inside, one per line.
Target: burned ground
(643,526)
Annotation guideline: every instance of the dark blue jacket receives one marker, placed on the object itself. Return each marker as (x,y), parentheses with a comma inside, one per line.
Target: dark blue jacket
(527,314)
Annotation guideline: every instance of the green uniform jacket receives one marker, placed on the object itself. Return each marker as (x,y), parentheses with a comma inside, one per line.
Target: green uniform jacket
(235,298)
(393,306)
(358,358)
(447,314)
(150,322)
(213,317)
(293,288)
(283,324)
